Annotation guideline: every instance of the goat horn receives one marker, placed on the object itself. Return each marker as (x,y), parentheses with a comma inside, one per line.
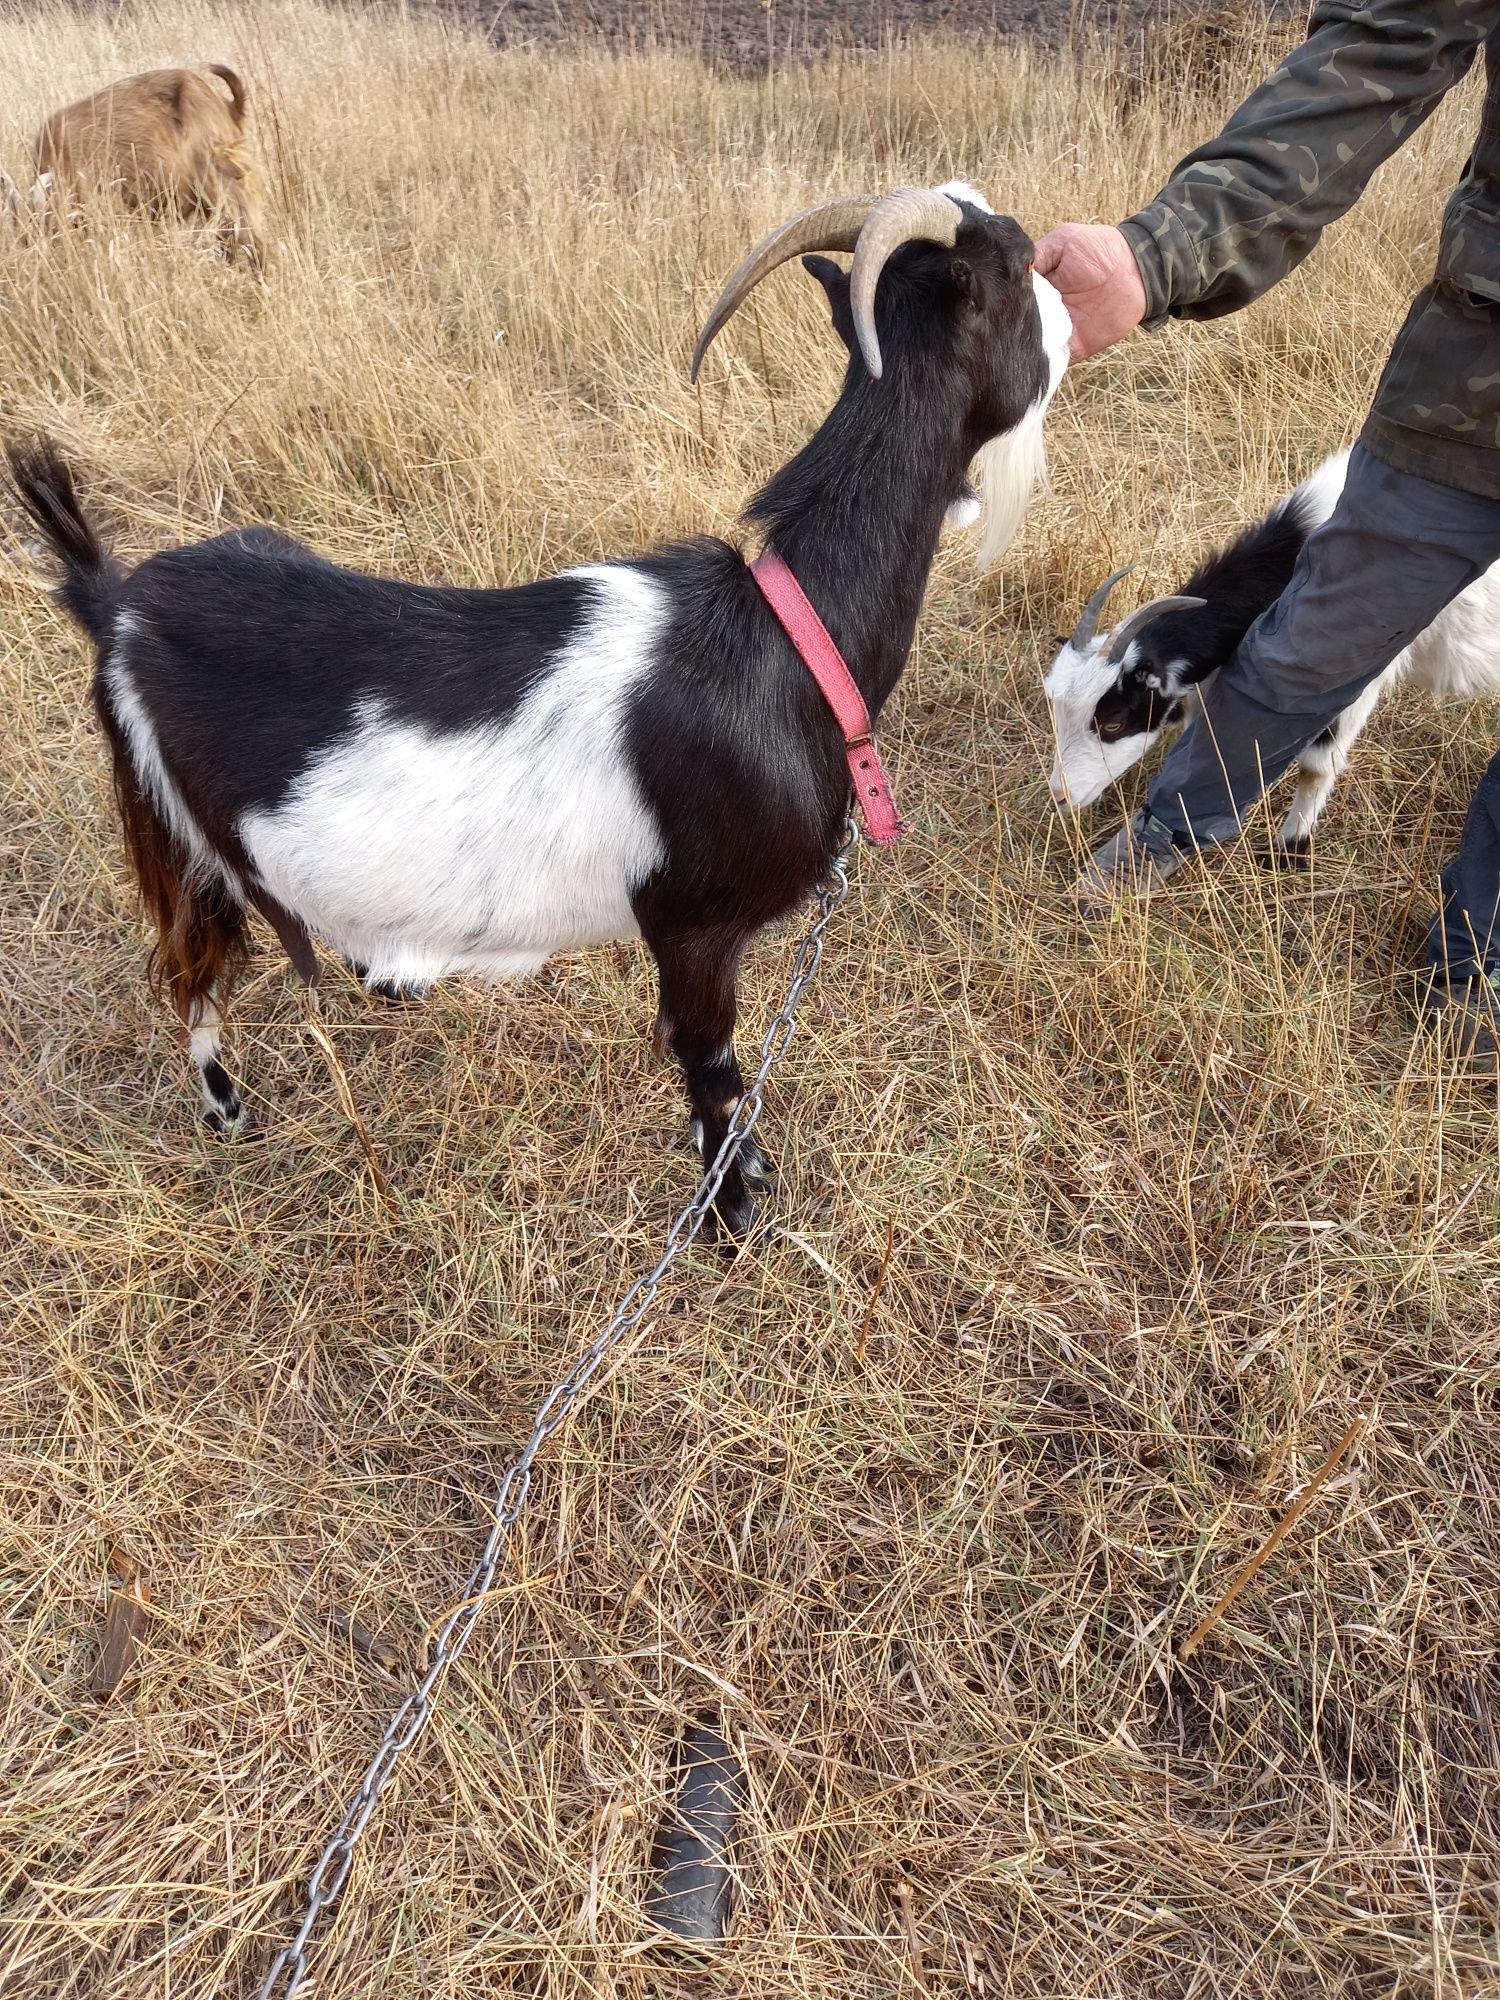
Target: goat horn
(1088,618)
(903,216)
(830,225)
(1128,626)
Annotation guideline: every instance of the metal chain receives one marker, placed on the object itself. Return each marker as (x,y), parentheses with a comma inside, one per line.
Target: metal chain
(327,1880)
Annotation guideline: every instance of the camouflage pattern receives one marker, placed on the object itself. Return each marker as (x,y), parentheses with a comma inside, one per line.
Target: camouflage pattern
(1245,209)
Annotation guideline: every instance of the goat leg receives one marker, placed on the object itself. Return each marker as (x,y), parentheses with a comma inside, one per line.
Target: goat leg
(697,1022)
(238,236)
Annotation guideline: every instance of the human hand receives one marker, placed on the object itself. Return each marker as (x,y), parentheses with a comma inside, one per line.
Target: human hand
(1094,268)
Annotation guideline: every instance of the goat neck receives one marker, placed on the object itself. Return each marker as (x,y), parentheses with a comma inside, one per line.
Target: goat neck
(856,515)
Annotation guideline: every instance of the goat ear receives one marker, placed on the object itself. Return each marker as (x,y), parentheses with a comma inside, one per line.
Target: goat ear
(832,277)
(1176,675)
(835,283)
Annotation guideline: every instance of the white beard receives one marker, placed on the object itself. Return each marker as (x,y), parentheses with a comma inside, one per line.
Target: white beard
(1004,475)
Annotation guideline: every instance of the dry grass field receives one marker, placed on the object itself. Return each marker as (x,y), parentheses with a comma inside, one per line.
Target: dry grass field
(1171,1201)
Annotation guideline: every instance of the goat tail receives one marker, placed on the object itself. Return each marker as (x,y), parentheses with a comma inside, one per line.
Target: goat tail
(236,88)
(91,576)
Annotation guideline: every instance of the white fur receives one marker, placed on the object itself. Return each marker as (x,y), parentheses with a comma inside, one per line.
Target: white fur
(205,1047)
(1317,496)
(1009,468)
(146,758)
(964,511)
(1455,658)
(1085,765)
(204,1038)
(962,191)
(485,850)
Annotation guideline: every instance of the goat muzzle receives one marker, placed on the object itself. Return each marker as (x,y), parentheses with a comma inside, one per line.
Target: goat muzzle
(873,227)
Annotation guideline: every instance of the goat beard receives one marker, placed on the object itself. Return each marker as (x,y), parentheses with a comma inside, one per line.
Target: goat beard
(1005,473)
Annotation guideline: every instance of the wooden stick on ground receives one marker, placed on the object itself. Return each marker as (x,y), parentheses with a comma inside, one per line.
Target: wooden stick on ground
(1277,1535)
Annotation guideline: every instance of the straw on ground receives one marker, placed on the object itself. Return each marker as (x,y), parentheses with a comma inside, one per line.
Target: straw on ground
(1168,1202)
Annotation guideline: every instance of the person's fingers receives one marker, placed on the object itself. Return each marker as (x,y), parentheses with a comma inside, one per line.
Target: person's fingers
(1093,268)
(1052,250)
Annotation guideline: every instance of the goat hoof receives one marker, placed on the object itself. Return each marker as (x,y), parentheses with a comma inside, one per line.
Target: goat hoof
(734,1215)
(1292,854)
(396,991)
(395,994)
(224,1109)
(756,1170)
(238,1128)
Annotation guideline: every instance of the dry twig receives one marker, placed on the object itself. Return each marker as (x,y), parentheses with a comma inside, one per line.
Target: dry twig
(1276,1537)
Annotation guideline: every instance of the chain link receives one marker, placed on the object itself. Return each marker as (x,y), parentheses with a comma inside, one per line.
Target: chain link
(331,1873)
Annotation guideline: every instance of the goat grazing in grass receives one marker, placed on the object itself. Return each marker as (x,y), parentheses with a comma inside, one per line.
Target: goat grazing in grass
(165,141)
(464,781)
(1112,694)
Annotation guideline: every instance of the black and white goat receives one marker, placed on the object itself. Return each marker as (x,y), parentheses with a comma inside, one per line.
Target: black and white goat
(465,781)
(1112,694)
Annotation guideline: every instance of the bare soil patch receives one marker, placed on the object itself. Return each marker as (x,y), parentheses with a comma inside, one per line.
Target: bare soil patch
(755,34)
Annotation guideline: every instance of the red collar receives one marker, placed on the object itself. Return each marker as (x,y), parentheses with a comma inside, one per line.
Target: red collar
(824,661)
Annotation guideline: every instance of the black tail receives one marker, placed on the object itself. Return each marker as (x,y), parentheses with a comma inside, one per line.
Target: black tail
(91,575)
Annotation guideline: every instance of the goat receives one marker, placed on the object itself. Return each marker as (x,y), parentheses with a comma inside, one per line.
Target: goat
(442,781)
(1113,694)
(166,142)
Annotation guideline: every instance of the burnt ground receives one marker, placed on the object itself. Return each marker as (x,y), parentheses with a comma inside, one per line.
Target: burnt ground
(749,34)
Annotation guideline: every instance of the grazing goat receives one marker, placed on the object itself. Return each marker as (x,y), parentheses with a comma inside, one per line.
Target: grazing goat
(465,781)
(1113,694)
(165,141)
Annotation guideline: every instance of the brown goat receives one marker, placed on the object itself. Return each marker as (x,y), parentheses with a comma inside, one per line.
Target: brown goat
(165,141)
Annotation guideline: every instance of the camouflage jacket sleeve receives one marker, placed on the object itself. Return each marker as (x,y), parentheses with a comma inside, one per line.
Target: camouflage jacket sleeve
(1245,209)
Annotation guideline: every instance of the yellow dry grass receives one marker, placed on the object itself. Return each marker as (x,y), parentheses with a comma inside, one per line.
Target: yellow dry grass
(1172,1201)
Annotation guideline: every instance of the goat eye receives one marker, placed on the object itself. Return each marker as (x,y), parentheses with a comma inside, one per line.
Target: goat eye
(1111,731)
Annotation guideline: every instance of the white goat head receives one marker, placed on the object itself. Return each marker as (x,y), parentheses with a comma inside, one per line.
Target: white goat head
(1113,693)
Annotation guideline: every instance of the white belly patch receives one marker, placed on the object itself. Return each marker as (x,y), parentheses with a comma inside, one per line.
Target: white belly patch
(481,851)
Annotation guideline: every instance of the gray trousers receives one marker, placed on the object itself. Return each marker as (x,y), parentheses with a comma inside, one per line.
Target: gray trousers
(1394,551)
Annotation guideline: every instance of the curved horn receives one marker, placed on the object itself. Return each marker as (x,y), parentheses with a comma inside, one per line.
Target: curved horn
(1088,618)
(1128,626)
(829,225)
(903,216)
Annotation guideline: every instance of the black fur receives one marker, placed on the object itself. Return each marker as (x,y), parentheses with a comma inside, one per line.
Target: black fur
(91,578)
(253,652)
(220,1087)
(308,643)
(738,752)
(1182,648)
